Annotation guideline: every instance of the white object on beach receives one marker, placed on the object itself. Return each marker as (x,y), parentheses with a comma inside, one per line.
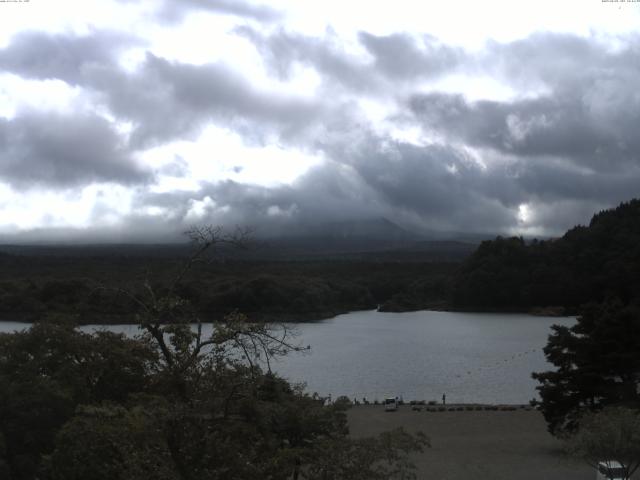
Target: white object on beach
(390,404)
(610,470)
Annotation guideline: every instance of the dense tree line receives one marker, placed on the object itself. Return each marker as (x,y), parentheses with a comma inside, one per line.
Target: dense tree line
(32,287)
(587,264)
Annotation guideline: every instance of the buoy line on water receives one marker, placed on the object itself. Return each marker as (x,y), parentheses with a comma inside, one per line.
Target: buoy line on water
(500,363)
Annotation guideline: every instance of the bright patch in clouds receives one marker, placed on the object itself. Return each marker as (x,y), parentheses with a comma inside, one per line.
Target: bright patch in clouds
(52,95)
(219,154)
(474,87)
(92,206)
(524,213)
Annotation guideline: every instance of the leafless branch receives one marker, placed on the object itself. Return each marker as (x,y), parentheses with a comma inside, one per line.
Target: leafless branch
(207,238)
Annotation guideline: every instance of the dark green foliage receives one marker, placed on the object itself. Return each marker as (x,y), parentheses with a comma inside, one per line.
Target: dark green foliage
(31,412)
(89,368)
(101,406)
(586,264)
(597,364)
(494,274)
(284,294)
(34,287)
(47,371)
(92,407)
(425,293)
(109,442)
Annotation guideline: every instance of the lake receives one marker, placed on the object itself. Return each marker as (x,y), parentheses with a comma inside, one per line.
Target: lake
(470,357)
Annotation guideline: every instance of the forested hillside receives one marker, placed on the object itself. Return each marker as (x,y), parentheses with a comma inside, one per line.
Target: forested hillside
(588,263)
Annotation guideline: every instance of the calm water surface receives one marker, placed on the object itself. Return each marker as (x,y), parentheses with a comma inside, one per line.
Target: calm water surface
(470,357)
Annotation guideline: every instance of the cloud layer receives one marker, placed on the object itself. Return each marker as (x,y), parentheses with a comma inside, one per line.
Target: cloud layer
(52,150)
(555,143)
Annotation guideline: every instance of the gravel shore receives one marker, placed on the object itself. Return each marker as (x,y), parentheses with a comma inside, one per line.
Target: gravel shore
(469,445)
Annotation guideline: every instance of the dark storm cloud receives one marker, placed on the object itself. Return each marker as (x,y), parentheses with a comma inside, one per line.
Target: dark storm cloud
(400,56)
(175,10)
(434,187)
(566,153)
(441,184)
(545,126)
(564,61)
(43,56)
(164,100)
(271,209)
(559,126)
(282,50)
(549,182)
(171,100)
(566,150)
(58,151)
(395,58)
(587,114)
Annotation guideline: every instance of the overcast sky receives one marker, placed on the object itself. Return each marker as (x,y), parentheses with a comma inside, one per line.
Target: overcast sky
(122,119)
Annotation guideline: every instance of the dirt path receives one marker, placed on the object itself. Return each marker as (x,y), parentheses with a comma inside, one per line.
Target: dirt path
(483,445)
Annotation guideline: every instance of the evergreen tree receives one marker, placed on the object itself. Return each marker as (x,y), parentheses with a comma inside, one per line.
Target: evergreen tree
(597,364)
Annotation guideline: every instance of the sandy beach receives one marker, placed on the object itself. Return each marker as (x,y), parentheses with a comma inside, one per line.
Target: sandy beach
(487,445)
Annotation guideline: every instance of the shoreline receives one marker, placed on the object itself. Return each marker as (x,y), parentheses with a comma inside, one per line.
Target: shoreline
(308,317)
(422,406)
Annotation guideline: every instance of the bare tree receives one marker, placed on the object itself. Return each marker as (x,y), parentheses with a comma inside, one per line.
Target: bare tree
(167,318)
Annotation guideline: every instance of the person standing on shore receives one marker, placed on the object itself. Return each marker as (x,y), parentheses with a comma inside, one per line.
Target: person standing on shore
(444,399)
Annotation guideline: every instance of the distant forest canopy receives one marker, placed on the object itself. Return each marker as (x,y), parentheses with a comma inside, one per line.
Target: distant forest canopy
(297,278)
(589,263)
(32,288)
